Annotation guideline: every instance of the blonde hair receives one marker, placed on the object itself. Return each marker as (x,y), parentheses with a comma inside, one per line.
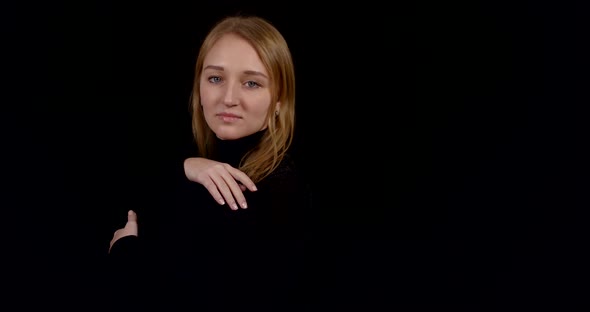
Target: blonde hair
(276,57)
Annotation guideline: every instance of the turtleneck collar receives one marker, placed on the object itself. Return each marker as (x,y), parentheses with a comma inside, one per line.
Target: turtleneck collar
(232,151)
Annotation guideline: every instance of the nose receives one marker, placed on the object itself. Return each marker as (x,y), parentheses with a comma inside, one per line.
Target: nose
(231,96)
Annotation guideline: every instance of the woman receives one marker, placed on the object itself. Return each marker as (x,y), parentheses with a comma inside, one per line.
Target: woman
(247,254)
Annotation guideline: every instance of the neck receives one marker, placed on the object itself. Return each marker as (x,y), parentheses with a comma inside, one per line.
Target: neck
(232,151)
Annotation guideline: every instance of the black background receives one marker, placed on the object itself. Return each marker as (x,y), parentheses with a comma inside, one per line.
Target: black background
(444,143)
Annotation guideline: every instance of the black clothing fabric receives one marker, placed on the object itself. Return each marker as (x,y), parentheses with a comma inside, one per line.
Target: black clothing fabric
(197,255)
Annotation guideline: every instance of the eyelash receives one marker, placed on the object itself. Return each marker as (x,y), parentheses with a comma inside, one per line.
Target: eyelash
(256,84)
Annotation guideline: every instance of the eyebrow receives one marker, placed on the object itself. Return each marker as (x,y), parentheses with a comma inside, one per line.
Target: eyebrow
(247,72)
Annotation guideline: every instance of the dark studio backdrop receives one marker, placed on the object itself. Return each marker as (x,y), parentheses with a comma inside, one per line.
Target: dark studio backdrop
(444,143)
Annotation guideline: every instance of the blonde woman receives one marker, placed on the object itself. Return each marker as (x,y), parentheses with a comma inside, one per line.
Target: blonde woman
(232,235)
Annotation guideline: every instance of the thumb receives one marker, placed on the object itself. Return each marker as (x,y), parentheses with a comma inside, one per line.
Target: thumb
(131,216)
(131,225)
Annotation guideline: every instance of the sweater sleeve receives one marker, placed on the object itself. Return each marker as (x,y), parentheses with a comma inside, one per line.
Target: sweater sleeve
(128,275)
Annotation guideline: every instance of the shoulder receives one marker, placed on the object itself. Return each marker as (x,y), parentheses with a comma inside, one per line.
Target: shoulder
(287,168)
(285,173)
(287,181)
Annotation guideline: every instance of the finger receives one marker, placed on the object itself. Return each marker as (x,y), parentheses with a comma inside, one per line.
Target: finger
(244,179)
(131,226)
(237,191)
(131,216)
(227,186)
(214,191)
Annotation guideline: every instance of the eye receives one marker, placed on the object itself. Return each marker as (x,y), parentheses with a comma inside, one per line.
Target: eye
(214,79)
(252,84)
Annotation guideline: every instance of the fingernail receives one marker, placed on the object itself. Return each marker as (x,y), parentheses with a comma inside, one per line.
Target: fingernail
(244,205)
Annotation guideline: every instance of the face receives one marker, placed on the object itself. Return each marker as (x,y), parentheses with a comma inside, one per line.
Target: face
(235,89)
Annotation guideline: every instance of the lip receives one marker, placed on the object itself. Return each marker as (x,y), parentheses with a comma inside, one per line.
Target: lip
(227,117)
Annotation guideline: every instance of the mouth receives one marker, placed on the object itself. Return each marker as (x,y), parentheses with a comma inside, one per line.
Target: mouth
(225,117)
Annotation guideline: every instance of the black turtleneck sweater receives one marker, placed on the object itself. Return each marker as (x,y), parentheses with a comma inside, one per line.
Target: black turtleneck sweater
(198,255)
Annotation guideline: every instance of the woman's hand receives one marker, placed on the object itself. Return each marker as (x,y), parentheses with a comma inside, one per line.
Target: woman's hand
(129,229)
(225,183)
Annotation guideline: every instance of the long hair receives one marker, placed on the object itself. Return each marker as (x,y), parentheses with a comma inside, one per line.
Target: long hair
(276,57)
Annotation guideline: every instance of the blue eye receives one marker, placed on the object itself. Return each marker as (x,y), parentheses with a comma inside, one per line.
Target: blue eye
(252,84)
(214,79)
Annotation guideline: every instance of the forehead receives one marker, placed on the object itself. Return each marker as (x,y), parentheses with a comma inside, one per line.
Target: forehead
(233,52)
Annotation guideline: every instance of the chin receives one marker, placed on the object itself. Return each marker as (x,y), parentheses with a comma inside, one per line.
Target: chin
(228,136)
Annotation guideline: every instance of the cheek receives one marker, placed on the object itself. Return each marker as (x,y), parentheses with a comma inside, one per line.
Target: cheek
(259,109)
(207,98)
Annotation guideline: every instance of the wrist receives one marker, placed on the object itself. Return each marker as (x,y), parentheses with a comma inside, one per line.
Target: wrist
(185,166)
(189,165)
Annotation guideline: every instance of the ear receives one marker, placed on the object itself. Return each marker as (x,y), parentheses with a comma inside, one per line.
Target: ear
(277,107)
